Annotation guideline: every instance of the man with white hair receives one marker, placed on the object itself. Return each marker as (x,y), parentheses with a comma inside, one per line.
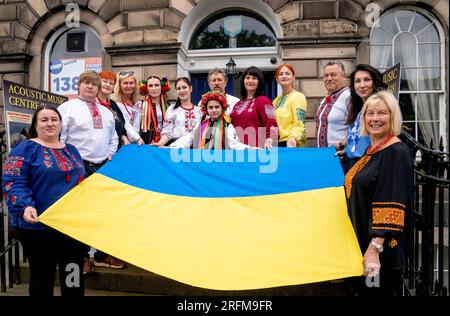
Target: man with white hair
(331,116)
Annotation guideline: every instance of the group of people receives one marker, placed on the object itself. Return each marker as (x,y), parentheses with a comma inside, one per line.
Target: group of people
(68,144)
(363,122)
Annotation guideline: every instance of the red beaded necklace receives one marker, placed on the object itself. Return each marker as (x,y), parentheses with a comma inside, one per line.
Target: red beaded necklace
(372,150)
(106,103)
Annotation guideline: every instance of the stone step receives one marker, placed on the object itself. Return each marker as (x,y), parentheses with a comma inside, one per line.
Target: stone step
(135,280)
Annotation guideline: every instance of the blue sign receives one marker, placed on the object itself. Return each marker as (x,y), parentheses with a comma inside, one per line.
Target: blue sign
(232,25)
(56,66)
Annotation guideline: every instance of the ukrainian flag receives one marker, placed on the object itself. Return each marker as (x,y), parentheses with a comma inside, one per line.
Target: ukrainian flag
(224,220)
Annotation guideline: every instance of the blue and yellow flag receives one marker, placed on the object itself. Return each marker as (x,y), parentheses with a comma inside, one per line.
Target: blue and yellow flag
(225,220)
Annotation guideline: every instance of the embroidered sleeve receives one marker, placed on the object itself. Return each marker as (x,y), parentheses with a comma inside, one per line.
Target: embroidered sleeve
(15,180)
(393,194)
(233,139)
(184,141)
(267,116)
(298,111)
(168,125)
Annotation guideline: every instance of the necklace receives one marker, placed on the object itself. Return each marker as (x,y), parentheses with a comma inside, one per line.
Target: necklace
(104,103)
(372,150)
(188,109)
(127,104)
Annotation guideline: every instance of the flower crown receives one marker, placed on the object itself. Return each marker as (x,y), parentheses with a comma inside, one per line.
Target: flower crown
(213,95)
(165,86)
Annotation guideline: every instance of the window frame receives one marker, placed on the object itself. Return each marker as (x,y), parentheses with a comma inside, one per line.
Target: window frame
(441,93)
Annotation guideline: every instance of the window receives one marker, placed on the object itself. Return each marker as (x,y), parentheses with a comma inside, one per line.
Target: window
(413,38)
(233,29)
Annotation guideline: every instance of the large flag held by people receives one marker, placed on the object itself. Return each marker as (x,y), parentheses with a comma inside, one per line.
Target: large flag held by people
(224,220)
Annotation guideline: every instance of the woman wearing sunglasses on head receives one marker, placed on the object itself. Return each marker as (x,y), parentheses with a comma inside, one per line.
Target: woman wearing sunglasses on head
(126,96)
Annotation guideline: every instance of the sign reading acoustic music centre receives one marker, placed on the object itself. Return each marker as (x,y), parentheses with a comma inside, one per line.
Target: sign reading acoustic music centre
(20,102)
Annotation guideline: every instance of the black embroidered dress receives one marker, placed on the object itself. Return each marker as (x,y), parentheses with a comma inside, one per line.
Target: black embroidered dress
(379,191)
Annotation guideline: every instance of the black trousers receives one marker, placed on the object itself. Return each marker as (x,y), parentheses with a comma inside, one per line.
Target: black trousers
(46,249)
(91,167)
(390,283)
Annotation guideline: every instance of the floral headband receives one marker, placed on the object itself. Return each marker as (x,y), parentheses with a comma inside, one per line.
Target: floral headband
(213,95)
(165,86)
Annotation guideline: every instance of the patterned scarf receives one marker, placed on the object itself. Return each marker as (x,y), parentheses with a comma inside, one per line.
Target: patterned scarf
(211,135)
(149,117)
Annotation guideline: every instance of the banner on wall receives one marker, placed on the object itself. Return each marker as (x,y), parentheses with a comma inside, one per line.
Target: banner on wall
(64,74)
(20,102)
(391,77)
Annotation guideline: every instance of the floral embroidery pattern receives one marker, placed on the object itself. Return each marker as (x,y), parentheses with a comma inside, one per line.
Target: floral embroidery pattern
(13,200)
(269,111)
(301,115)
(67,152)
(47,158)
(189,120)
(245,105)
(13,165)
(59,156)
(7,186)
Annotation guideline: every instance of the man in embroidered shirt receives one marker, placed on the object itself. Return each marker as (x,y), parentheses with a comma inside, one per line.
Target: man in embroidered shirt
(332,113)
(217,81)
(90,127)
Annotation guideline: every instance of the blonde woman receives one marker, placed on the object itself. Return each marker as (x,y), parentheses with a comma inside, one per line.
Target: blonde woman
(379,190)
(126,96)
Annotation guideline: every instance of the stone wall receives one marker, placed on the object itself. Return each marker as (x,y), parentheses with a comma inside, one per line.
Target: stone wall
(142,35)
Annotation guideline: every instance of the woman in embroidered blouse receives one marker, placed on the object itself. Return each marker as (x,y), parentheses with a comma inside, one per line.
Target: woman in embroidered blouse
(154,108)
(253,116)
(364,81)
(215,132)
(108,81)
(182,117)
(379,189)
(38,172)
(290,109)
(126,96)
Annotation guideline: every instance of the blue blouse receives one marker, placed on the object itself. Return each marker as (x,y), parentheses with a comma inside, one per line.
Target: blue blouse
(356,144)
(37,176)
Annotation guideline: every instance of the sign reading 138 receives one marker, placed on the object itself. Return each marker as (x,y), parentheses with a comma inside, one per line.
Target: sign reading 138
(64,75)
(66,84)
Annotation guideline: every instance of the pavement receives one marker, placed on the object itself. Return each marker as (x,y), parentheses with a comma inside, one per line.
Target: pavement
(22,290)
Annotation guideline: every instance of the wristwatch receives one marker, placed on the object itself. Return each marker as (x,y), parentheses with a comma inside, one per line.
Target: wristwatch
(377,246)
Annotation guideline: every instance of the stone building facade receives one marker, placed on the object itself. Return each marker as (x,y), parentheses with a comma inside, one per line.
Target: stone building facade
(153,36)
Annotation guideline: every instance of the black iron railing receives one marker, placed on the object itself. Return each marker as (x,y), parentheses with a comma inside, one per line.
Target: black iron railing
(9,246)
(431,217)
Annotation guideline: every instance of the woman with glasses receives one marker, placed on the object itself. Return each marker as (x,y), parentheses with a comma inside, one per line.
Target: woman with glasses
(290,109)
(126,96)
(182,117)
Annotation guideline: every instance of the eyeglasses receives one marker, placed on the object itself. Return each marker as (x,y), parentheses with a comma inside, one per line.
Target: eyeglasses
(126,73)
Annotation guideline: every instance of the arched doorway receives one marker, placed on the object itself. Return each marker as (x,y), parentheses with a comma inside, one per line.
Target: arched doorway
(215,32)
(69,52)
